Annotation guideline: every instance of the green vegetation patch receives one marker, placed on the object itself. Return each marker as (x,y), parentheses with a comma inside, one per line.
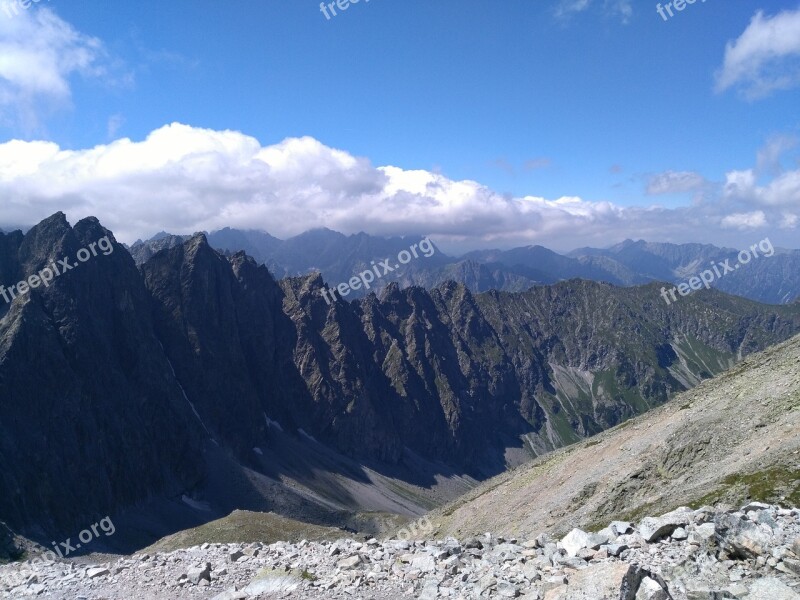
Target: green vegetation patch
(246,527)
(763,486)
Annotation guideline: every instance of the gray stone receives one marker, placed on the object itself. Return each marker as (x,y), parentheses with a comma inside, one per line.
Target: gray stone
(792,566)
(586,554)
(770,588)
(577,539)
(766,518)
(531,572)
(351,562)
(615,549)
(93,572)
(430,590)
(509,549)
(231,595)
(549,550)
(424,563)
(654,528)
(650,589)
(679,534)
(198,574)
(737,590)
(617,581)
(507,590)
(757,506)
(574,541)
(741,538)
(621,527)
(272,582)
(485,583)
(702,534)
(552,583)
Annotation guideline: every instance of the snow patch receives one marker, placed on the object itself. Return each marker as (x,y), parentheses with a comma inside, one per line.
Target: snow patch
(194,410)
(196,504)
(304,434)
(271,423)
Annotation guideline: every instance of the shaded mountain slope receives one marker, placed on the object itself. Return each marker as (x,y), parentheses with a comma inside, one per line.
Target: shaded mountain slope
(90,414)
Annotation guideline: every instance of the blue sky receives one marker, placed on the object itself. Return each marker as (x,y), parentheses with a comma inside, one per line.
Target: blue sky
(597,110)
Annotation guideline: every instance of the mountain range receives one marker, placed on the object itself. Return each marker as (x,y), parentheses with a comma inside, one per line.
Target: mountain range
(172,392)
(771,279)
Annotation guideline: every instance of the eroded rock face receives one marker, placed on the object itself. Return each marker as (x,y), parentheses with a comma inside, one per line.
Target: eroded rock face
(492,566)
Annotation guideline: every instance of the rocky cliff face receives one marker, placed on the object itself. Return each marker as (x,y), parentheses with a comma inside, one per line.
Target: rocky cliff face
(91,416)
(550,365)
(116,383)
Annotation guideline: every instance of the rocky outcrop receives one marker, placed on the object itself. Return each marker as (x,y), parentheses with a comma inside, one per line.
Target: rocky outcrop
(144,251)
(700,561)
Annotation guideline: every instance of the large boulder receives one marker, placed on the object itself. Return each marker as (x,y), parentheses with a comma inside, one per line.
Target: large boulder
(270,581)
(654,528)
(741,538)
(605,581)
(577,539)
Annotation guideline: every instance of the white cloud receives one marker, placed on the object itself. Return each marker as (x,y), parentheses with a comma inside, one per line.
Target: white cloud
(39,54)
(624,8)
(765,58)
(621,8)
(184,179)
(114,124)
(783,190)
(790,221)
(745,221)
(534,164)
(675,182)
(769,157)
(566,8)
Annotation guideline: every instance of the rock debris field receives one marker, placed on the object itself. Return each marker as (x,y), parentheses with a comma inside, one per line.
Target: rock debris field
(711,553)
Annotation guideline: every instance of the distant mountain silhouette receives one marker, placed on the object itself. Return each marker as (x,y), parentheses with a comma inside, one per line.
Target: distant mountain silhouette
(773,280)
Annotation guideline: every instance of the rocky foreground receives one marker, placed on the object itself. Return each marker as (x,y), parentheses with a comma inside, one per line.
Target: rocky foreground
(710,553)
